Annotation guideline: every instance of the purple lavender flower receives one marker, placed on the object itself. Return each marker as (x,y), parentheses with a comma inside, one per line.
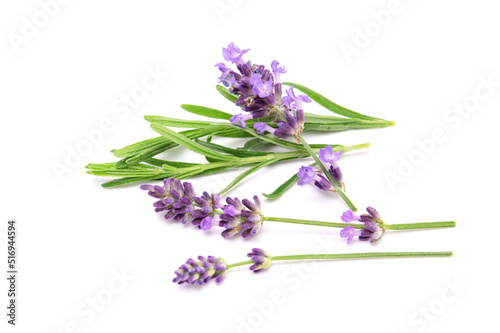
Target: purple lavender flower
(201,271)
(295,102)
(240,118)
(349,233)
(204,215)
(233,53)
(261,260)
(309,174)
(260,87)
(181,204)
(348,216)
(277,70)
(373,223)
(329,159)
(244,216)
(261,128)
(255,85)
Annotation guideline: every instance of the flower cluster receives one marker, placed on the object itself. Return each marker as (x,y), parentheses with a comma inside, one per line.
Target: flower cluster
(258,89)
(242,216)
(259,93)
(373,223)
(201,271)
(261,260)
(181,204)
(309,174)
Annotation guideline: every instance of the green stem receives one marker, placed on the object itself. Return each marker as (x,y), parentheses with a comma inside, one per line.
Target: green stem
(327,174)
(352,256)
(248,262)
(402,226)
(421,225)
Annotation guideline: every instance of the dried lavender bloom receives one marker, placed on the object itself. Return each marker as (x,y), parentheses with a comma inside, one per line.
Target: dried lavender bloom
(261,260)
(374,226)
(201,271)
(181,204)
(244,216)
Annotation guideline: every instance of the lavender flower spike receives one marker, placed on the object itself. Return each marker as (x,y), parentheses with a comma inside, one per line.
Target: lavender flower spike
(373,223)
(201,271)
(181,204)
(261,260)
(241,216)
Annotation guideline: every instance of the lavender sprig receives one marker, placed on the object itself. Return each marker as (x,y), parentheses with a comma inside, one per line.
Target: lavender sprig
(213,268)
(245,216)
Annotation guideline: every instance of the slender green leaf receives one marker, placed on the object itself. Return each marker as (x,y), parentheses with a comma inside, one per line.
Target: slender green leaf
(328,104)
(174,122)
(282,188)
(252,143)
(206,112)
(128,180)
(232,151)
(188,143)
(224,92)
(246,173)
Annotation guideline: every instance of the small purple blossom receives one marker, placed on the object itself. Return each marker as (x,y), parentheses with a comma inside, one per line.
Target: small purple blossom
(308,174)
(261,260)
(326,155)
(233,53)
(240,118)
(241,216)
(261,88)
(201,271)
(277,70)
(349,233)
(261,128)
(373,223)
(348,216)
(329,159)
(295,102)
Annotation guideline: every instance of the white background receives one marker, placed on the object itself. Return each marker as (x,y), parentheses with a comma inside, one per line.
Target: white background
(74,236)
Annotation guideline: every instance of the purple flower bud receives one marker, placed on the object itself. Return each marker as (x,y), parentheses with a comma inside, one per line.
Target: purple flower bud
(242,216)
(201,271)
(261,260)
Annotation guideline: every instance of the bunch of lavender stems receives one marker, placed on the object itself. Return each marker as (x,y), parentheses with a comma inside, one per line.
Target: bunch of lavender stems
(203,270)
(139,161)
(179,202)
